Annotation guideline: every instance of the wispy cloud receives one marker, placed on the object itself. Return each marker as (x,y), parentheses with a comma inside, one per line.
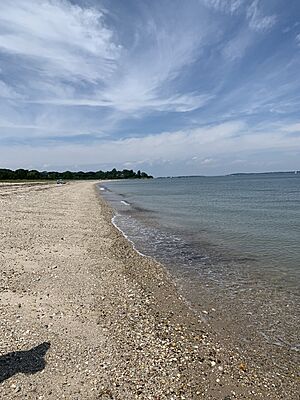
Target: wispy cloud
(60,39)
(257,20)
(179,103)
(236,47)
(291,128)
(66,43)
(8,92)
(252,10)
(227,6)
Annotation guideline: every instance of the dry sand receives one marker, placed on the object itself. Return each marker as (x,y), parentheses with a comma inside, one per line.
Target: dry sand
(83,316)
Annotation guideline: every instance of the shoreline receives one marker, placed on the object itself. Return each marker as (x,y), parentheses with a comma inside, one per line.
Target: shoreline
(126,237)
(117,326)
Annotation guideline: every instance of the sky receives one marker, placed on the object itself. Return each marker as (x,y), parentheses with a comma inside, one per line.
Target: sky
(171,87)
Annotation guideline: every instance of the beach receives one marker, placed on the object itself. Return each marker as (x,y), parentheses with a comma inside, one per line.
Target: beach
(84,316)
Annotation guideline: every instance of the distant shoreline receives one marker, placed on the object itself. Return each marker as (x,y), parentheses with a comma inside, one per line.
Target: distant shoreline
(296,172)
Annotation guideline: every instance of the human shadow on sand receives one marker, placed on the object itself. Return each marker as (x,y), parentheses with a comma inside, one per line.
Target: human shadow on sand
(26,362)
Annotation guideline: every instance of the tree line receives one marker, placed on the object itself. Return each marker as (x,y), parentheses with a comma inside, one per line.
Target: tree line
(25,174)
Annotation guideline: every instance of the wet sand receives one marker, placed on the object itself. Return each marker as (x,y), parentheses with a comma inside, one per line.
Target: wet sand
(83,316)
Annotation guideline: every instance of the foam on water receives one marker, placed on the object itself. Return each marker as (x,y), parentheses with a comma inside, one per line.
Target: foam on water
(113,220)
(125,203)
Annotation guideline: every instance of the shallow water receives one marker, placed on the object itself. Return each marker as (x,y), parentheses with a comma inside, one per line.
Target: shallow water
(232,244)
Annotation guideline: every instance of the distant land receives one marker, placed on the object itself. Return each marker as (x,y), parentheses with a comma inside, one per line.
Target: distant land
(295,172)
(266,173)
(30,175)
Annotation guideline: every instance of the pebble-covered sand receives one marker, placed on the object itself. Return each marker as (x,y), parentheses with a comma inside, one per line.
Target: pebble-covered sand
(83,316)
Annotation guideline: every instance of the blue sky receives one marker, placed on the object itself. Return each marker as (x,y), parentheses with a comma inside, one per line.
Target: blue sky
(171,87)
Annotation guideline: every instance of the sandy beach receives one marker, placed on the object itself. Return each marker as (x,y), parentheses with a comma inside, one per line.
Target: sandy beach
(83,316)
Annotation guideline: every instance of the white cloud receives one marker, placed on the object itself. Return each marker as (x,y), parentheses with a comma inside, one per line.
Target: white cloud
(179,103)
(146,77)
(257,21)
(298,39)
(206,161)
(61,39)
(209,148)
(67,45)
(206,144)
(228,6)
(291,128)
(8,92)
(236,47)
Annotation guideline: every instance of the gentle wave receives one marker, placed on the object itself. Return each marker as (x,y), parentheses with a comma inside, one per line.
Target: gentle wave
(125,203)
(113,221)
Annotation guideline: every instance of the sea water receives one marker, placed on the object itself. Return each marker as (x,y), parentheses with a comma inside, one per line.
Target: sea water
(232,244)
